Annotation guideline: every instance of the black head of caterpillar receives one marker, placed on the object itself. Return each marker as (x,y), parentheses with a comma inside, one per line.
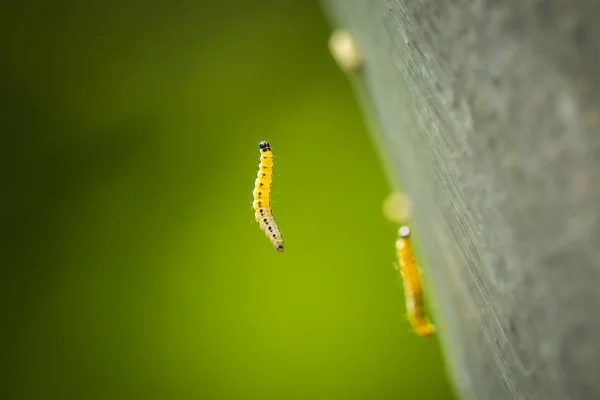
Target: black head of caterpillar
(264,146)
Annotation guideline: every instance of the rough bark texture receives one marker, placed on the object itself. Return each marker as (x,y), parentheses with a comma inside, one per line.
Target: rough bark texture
(490,112)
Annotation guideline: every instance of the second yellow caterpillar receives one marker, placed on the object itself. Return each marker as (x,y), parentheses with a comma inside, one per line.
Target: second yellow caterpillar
(413,285)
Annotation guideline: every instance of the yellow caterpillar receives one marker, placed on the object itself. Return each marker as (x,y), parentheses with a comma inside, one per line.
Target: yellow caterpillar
(413,285)
(262,197)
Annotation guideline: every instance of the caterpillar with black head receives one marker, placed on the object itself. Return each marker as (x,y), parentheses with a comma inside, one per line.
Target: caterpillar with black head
(262,197)
(413,285)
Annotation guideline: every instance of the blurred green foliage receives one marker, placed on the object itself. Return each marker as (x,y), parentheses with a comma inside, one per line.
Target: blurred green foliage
(132,267)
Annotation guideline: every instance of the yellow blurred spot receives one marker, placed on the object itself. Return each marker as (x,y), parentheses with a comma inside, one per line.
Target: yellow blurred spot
(397,207)
(344,50)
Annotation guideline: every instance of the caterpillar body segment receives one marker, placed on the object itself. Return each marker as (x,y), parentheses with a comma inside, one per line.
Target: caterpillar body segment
(413,285)
(262,212)
(262,197)
(271,230)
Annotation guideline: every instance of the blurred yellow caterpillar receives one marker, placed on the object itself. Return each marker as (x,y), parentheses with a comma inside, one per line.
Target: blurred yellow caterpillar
(413,285)
(262,197)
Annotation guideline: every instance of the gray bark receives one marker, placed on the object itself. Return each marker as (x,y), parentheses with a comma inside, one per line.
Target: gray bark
(490,115)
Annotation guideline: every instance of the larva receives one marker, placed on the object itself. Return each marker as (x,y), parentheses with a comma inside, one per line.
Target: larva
(262,197)
(413,284)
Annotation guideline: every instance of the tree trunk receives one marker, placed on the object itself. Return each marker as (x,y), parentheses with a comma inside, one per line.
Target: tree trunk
(489,114)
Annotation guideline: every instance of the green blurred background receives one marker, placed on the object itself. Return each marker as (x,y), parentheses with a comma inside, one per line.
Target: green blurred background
(132,267)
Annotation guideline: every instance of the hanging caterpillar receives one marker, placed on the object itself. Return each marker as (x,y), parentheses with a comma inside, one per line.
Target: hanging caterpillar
(413,285)
(262,197)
